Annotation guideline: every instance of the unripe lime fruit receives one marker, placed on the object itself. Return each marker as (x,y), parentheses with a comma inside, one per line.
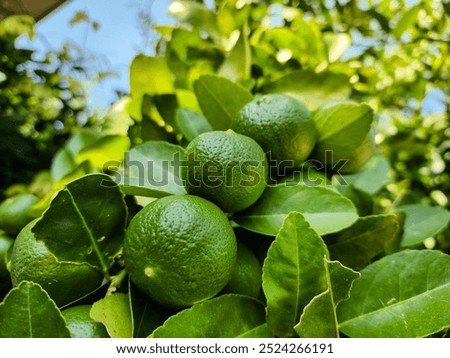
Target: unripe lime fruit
(180,250)
(226,168)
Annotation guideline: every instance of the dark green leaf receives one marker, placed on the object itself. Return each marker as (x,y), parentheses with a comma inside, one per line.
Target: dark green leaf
(85,222)
(153,169)
(313,89)
(192,123)
(28,312)
(147,315)
(115,313)
(319,318)
(367,237)
(293,273)
(422,221)
(226,316)
(403,295)
(220,99)
(324,209)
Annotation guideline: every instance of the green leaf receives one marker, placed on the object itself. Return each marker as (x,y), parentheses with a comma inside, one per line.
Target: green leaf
(85,222)
(196,14)
(403,295)
(363,201)
(261,331)
(313,89)
(117,120)
(28,312)
(220,99)
(115,313)
(226,316)
(324,209)
(368,237)
(65,161)
(150,75)
(370,178)
(422,221)
(147,315)
(153,169)
(237,65)
(191,123)
(406,21)
(319,318)
(108,149)
(341,128)
(62,164)
(293,273)
(15,26)
(337,44)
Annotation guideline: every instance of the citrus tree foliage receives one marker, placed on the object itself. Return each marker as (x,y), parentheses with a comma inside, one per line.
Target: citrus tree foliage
(393,55)
(40,103)
(362,252)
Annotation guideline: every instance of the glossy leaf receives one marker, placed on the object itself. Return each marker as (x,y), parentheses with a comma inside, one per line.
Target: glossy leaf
(153,169)
(85,222)
(324,209)
(146,314)
(370,178)
(422,221)
(319,318)
(337,44)
(191,123)
(368,237)
(237,65)
(313,89)
(293,273)
(115,314)
(403,295)
(220,99)
(341,128)
(28,312)
(150,75)
(226,316)
(65,161)
(110,148)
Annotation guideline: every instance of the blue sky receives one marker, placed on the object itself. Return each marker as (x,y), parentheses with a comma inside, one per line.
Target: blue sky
(114,45)
(119,39)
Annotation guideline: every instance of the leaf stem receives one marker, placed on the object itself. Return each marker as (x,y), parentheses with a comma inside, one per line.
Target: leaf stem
(116,281)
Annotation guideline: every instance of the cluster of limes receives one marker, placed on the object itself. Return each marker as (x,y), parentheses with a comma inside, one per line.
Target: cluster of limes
(182,249)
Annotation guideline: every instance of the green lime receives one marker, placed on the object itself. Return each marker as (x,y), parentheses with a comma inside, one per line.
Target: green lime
(281,125)
(246,278)
(226,168)
(65,282)
(81,325)
(14,212)
(180,250)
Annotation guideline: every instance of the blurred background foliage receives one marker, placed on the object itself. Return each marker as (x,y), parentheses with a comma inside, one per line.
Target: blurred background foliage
(390,54)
